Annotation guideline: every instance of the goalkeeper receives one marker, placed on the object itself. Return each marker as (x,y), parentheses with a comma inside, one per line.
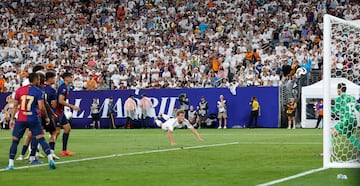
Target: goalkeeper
(345,105)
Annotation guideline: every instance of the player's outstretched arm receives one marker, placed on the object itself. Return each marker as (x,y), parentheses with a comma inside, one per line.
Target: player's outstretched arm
(196,134)
(171,137)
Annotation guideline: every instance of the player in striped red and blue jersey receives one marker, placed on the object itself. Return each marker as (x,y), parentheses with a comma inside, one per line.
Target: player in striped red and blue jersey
(29,104)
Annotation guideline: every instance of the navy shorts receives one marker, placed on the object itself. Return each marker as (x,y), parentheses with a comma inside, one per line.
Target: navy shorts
(95,117)
(20,127)
(62,120)
(49,128)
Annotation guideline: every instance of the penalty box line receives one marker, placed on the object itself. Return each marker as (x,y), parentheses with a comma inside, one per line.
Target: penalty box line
(293,176)
(126,154)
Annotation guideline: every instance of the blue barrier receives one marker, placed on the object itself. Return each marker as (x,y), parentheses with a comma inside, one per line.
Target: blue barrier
(164,100)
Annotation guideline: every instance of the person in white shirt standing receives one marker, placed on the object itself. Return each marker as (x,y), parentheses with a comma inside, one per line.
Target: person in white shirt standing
(179,122)
(221,105)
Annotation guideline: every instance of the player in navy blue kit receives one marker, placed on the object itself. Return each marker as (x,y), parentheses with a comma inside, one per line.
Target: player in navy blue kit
(28,102)
(51,100)
(63,93)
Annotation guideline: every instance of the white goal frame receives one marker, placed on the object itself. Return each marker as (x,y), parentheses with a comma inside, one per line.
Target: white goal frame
(327,98)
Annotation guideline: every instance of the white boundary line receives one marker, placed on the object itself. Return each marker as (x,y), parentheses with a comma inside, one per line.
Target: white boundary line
(160,134)
(126,154)
(293,177)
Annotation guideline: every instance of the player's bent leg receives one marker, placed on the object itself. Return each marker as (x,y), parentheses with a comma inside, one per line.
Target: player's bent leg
(25,147)
(158,123)
(46,148)
(32,159)
(57,132)
(27,143)
(166,117)
(52,145)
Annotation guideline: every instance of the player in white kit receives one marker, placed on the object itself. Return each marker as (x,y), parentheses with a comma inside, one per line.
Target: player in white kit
(179,122)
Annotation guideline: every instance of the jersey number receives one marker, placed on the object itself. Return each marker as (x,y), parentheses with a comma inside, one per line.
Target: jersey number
(26,101)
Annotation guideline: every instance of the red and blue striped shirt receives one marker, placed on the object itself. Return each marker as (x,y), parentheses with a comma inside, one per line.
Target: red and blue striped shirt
(28,97)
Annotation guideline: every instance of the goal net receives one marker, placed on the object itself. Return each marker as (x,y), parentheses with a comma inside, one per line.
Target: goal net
(341,93)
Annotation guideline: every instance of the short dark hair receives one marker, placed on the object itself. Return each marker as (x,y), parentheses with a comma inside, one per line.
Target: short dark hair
(38,68)
(49,75)
(342,87)
(66,74)
(33,76)
(41,76)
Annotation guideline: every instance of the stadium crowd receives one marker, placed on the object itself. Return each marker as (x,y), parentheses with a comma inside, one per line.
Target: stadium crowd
(164,43)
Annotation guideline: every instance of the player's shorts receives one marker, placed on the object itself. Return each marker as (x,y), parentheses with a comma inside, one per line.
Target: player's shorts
(130,113)
(291,114)
(48,128)
(95,117)
(202,118)
(222,115)
(62,120)
(20,127)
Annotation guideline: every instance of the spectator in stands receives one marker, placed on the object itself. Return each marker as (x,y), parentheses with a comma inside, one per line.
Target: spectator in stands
(110,37)
(2,83)
(91,84)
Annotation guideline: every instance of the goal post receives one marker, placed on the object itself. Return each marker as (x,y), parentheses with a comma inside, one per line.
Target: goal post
(340,150)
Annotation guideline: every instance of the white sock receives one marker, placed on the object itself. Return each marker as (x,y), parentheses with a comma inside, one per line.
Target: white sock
(166,117)
(11,162)
(52,152)
(158,123)
(49,157)
(31,158)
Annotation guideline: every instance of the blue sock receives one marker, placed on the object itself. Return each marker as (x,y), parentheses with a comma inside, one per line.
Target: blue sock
(34,144)
(45,146)
(13,149)
(52,145)
(24,149)
(65,140)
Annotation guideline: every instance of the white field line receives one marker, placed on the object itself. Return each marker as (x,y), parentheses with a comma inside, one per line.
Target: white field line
(293,177)
(160,134)
(126,154)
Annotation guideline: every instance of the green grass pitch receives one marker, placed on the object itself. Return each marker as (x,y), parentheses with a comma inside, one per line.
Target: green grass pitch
(246,157)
